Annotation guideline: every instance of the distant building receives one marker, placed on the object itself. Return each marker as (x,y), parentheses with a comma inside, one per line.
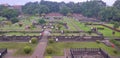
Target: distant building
(53,15)
(17,7)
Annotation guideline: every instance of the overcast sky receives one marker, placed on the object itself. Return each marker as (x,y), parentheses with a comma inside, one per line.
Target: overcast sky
(22,2)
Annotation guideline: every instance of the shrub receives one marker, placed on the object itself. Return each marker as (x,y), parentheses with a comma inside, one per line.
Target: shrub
(112,40)
(90,32)
(49,50)
(115,51)
(100,28)
(42,21)
(98,41)
(20,24)
(51,41)
(27,49)
(34,40)
(115,42)
(14,20)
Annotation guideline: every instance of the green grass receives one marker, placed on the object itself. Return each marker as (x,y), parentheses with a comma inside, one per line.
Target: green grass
(107,32)
(59,47)
(70,25)
(80,25)
(17,46)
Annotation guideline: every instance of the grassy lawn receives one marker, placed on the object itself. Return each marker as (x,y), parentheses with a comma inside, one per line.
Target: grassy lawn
(17,46)
(71,26)
(80,25)
(60,46)
(107,32)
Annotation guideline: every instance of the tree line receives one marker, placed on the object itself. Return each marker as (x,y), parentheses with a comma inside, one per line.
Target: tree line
(94,8)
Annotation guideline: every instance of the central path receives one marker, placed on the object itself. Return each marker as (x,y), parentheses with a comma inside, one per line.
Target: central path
(40,49)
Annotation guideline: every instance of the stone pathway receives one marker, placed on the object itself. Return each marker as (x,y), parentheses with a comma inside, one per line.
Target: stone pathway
(58,57)
(40,49)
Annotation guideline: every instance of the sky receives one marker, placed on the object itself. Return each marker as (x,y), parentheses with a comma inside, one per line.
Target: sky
(22,2)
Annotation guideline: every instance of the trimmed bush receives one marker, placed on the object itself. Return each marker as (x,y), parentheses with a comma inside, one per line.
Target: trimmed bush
(100,28)
(27,49)
(51,41)
(49,50)
(115,51)
(98,41)
(34,40)
(90,32)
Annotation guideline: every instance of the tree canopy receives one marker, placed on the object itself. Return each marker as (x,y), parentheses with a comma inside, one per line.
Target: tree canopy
(109,13)
(93,8)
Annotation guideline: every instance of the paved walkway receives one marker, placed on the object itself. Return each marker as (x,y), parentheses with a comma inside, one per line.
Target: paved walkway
(40,49)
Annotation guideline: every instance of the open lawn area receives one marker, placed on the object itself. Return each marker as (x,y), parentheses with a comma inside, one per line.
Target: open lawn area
(71,27)
(80,25)
(18,47)
(107,32)
(60,46)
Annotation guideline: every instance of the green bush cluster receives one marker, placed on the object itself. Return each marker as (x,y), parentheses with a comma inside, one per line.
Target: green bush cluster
(27,49)
(50,50)
(98,41)
(51,41)
(115,42)
(34,40)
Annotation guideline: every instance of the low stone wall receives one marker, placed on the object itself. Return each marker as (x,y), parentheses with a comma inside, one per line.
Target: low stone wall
(18,38)
(76,38)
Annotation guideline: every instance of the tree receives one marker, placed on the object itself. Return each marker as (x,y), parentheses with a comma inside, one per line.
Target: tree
(14,20)
(1,9)
(65,10)
(53,6)
(117,4)
(31,8)
(116,25)
(42,21)
(92,8)
(43,9)
(9,13)
(109,13)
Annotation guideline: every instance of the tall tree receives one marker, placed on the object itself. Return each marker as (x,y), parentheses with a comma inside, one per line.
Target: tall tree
(53,6)
(117,4)
(65,10)
(91,8)
(9,13)
(31,8)
(43,9)
(110,13)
